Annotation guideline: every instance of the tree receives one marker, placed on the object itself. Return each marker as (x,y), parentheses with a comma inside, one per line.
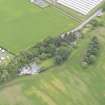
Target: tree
(4,74)
(92,59)
(58,59)
(61,54)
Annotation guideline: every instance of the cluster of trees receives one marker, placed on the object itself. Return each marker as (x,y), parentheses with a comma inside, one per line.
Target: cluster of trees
(91,53)
(71,38)
(62,54)
(48,48)
(57,48)
(51,47)
(7,72)
(4,74)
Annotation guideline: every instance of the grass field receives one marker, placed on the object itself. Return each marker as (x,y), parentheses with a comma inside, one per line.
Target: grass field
(23,24)
(68,84)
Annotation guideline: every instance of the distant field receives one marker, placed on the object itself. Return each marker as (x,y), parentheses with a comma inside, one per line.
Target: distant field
(23,24)
(68,84)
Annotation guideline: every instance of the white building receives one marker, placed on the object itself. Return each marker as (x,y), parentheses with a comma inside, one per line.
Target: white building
(81,6)
(29,70)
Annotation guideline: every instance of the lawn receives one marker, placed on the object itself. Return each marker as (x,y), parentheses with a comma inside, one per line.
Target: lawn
(23,24)
(68,84)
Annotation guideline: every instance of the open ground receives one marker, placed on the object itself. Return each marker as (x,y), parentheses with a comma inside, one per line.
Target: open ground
(23,24)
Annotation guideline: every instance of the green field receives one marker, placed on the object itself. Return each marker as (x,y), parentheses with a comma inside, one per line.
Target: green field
(23,24)
(68,84)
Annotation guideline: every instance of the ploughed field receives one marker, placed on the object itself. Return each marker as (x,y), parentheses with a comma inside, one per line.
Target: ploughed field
(23,24)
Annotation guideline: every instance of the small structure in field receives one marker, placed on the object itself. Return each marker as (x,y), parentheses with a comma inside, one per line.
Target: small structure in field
(100,13)
(40,3)
(29,70)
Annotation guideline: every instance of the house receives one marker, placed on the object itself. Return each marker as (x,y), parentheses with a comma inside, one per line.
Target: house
(29,70)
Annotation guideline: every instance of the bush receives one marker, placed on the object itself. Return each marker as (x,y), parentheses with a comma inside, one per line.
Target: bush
(91,59)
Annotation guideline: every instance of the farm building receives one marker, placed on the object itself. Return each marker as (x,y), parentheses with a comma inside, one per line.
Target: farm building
(81,6)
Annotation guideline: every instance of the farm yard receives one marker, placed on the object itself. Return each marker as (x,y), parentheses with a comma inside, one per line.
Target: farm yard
(24,24)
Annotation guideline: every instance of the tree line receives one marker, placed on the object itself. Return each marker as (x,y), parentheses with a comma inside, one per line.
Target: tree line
(58,48)
(92,52)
